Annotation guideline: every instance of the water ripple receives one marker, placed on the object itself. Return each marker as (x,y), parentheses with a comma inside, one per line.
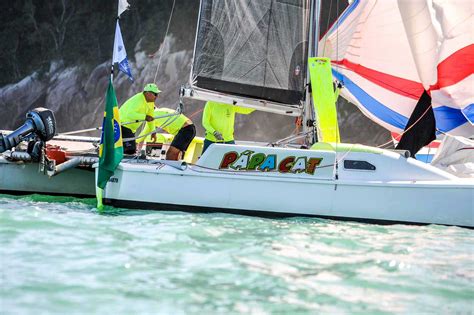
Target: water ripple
(59,255)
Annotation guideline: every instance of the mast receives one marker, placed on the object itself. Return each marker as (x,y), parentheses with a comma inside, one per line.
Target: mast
(308,113)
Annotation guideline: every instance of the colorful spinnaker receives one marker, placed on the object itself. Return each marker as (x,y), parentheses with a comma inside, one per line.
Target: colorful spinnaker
(387,53)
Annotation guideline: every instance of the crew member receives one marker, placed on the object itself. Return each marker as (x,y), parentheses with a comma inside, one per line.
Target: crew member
(218,119)
(178,125)
(137,109)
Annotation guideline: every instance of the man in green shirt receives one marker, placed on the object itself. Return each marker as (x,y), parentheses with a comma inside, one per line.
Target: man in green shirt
(218,119)
(178,125)
(136,109)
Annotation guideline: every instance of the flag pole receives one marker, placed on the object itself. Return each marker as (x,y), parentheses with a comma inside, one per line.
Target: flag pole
(111,146)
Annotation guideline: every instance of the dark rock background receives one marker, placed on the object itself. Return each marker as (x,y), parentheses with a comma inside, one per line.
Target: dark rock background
(70,77)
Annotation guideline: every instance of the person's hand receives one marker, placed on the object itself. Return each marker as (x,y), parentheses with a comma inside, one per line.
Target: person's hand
(149,118)
(153,137)
(218,135)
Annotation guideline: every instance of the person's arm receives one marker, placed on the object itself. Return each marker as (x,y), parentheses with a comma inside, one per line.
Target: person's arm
(150,111)
(243,110)
(206,119)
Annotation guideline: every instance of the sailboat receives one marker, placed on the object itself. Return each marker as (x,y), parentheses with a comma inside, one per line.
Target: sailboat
(262,55)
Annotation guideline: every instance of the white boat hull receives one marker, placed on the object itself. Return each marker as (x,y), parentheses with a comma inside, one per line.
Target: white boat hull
(21,177)
(25,178)
(431,200)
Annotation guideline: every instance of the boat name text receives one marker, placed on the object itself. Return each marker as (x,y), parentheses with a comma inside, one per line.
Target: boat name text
(251,161)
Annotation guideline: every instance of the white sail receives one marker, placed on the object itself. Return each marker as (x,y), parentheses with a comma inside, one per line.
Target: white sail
(253,49)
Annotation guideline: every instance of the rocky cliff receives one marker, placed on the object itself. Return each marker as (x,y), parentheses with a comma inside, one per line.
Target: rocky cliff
(76,93)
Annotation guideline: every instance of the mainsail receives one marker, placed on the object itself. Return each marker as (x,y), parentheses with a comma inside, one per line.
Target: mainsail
(388,53)
(253,49)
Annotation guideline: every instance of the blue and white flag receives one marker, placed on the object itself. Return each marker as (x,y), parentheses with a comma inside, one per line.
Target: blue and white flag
(120,55)
(122,6)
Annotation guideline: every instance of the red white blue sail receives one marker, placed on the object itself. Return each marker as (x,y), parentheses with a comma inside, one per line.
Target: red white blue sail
(386,53)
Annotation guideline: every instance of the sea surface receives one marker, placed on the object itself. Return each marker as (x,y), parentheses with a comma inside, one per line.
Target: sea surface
(61,256)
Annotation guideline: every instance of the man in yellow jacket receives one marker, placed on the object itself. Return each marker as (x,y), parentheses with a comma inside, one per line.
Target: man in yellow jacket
(178,125)
(218,119)
(134,111)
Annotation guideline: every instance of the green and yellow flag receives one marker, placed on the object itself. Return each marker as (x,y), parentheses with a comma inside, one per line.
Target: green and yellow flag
(111,146)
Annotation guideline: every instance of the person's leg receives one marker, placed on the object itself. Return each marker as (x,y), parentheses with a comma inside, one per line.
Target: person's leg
(129,147)
(181,142)
(173,153)
(206,145)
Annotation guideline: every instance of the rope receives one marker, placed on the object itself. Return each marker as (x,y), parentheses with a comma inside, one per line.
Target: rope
(166,35)
(142,120)
(169,121)
(195,113)
(406,130)
(142,136)
(166,123)
(289,138)
(80,131)
(327,25)
(125,123)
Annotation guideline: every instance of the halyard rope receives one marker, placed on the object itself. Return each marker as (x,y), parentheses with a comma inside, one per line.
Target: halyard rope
(166,35)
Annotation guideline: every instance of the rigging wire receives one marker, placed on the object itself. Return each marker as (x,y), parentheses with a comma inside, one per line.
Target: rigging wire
(195,113)
(327,24)
(164,40)
(336,166)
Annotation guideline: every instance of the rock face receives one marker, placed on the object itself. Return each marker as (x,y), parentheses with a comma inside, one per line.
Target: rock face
(76,96)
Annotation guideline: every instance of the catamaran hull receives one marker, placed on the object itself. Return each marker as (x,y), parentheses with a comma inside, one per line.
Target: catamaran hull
(20,178)
(191,189)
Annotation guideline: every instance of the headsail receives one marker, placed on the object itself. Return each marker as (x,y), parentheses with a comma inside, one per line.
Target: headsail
(253,49)
(387,53)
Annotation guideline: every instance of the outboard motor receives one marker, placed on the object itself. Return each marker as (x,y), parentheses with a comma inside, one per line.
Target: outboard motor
(39,127)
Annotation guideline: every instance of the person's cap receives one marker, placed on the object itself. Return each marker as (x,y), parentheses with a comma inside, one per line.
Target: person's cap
(151,87)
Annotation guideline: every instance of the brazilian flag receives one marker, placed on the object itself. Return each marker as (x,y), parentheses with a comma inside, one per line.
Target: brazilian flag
(111,146)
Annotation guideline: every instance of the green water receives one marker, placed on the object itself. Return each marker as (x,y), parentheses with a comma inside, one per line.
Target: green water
(59,256)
